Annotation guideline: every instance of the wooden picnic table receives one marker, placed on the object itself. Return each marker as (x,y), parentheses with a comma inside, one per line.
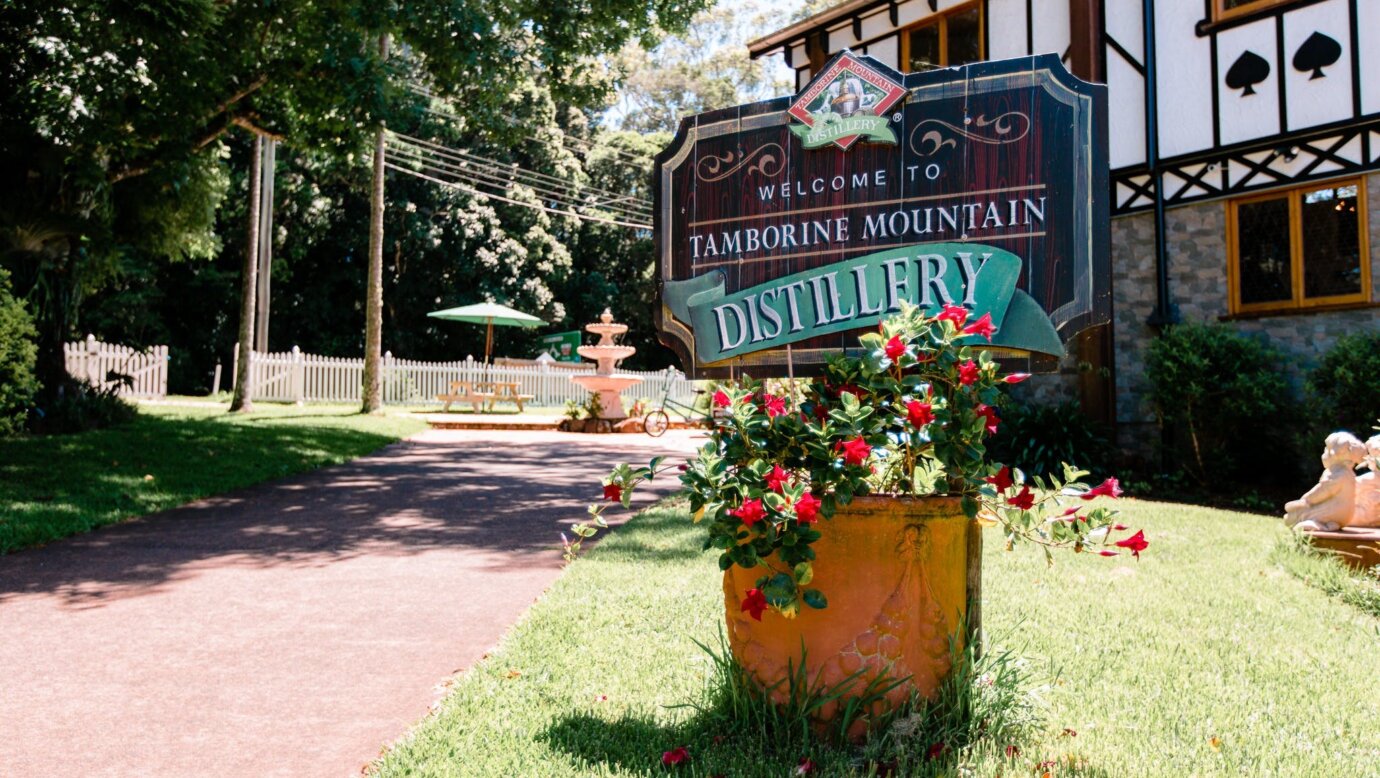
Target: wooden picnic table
(507,392)
(465,392)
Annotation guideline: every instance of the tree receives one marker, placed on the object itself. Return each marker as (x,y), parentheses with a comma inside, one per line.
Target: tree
(704,68)
(114,113)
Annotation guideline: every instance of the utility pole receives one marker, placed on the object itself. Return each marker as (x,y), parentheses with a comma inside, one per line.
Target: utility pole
(244,392)
(269,170)
(373,305)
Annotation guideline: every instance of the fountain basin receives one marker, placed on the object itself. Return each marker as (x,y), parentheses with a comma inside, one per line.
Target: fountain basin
(598,353)
(608,387)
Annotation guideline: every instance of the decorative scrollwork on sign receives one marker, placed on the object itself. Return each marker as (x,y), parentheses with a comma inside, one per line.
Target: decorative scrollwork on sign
(1005,128)
(769,160)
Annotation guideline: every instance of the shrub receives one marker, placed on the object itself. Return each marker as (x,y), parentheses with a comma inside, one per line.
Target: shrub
(17,356)
(1346,384)
(79,407)
(1224,401)
(1039,439)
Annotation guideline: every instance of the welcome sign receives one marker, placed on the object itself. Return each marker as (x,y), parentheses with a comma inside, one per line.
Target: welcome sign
(786,228)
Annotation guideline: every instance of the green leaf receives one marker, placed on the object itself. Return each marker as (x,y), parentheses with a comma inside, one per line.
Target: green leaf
(816,599)
(804,573)
(725,562)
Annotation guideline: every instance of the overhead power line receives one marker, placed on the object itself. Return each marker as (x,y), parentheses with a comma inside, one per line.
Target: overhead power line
(501,178)
(537,206)
(524,175)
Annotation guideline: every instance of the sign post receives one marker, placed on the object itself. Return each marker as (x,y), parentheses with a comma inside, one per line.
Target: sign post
(786,228)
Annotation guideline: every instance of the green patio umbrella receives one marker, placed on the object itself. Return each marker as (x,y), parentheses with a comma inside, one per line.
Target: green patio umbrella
(488,314)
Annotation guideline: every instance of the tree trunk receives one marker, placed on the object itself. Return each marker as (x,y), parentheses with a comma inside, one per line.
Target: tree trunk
(373,304)
(53,322)
(244,391)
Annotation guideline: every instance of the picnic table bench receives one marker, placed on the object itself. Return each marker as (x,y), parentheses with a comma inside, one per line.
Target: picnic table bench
(465,392)
(504,392)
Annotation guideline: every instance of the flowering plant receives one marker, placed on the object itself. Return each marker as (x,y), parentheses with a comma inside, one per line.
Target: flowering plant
(907,415)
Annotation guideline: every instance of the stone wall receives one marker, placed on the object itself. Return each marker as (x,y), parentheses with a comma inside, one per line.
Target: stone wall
(1197,247)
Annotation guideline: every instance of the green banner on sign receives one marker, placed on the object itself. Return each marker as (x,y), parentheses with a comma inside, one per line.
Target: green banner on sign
(562,346)
(858,293)
(829,128)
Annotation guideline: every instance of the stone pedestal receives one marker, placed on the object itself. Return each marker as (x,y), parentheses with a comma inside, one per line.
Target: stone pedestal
(1356,546)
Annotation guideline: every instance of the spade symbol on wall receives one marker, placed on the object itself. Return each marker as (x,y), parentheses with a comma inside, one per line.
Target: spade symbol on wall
(1316,53)
(1248,70)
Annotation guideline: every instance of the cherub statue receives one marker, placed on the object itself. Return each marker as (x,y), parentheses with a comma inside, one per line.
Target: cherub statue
(1331,503)
(1368,488)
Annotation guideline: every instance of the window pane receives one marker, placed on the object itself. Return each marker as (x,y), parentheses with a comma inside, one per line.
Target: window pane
(1262,239)
(924,48)
(965,37)
(1331,242)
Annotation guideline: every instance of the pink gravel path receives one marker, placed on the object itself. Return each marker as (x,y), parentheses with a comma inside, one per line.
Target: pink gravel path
(293,628)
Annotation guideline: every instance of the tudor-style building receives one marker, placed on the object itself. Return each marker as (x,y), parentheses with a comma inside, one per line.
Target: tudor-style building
(1244,148)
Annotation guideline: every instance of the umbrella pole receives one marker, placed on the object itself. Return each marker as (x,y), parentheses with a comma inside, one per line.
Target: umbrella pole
(489,341)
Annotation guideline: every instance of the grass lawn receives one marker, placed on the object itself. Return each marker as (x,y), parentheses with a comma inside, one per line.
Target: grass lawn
(60,485)
(1203,659)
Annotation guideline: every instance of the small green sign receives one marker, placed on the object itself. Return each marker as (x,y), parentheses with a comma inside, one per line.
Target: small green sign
(562,346)
(857,293)
(831,129)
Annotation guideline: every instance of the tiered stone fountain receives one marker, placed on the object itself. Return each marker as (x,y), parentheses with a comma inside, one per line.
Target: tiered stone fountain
(607,354)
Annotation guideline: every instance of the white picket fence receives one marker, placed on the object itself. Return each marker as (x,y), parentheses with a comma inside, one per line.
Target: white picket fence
(102,364)
(293,376)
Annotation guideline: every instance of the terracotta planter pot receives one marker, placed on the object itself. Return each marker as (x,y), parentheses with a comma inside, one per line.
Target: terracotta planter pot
(896,573)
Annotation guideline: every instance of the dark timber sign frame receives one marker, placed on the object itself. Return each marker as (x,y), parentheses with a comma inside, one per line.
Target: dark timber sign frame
(786,228)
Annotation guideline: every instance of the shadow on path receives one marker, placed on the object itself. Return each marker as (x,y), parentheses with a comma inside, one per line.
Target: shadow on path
(501,492)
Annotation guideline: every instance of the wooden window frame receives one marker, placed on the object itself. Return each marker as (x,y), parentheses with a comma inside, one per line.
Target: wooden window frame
(1298,303)
(1220,13)
(941,19)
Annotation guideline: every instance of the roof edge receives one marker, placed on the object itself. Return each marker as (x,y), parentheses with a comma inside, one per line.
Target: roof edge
(769,42)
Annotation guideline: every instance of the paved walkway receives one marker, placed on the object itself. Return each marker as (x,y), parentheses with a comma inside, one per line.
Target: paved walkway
(293,628)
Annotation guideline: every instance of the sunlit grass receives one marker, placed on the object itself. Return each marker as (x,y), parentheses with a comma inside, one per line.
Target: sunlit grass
(56,486)
(1202,659)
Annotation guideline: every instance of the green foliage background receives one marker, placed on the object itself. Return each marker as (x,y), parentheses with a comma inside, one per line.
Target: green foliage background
(1225,402)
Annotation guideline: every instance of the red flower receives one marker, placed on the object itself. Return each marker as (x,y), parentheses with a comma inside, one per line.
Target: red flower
(805,767)
(807,509)
(754,603)
(1108,488)
(1136,543)
(967,373)
(1014,378)
(777,478)
(1025,500)
(855,451)
(954,313)
(937,750)
(1105,552)
(1002,480)
(895,348)
(750,512)
(853,389)
(676,755)
(919,414)
(721,400)
(774,406)
(990,414)
(982,326)
(613,492)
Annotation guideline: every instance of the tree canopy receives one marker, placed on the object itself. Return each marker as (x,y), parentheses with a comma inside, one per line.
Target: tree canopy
(114,149)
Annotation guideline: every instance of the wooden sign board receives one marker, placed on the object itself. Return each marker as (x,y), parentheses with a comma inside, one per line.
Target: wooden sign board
(786,228)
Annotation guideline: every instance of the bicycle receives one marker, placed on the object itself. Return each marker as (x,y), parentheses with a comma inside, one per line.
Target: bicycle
(658,421)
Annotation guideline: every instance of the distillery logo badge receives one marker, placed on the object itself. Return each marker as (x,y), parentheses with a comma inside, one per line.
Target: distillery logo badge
(848,101)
